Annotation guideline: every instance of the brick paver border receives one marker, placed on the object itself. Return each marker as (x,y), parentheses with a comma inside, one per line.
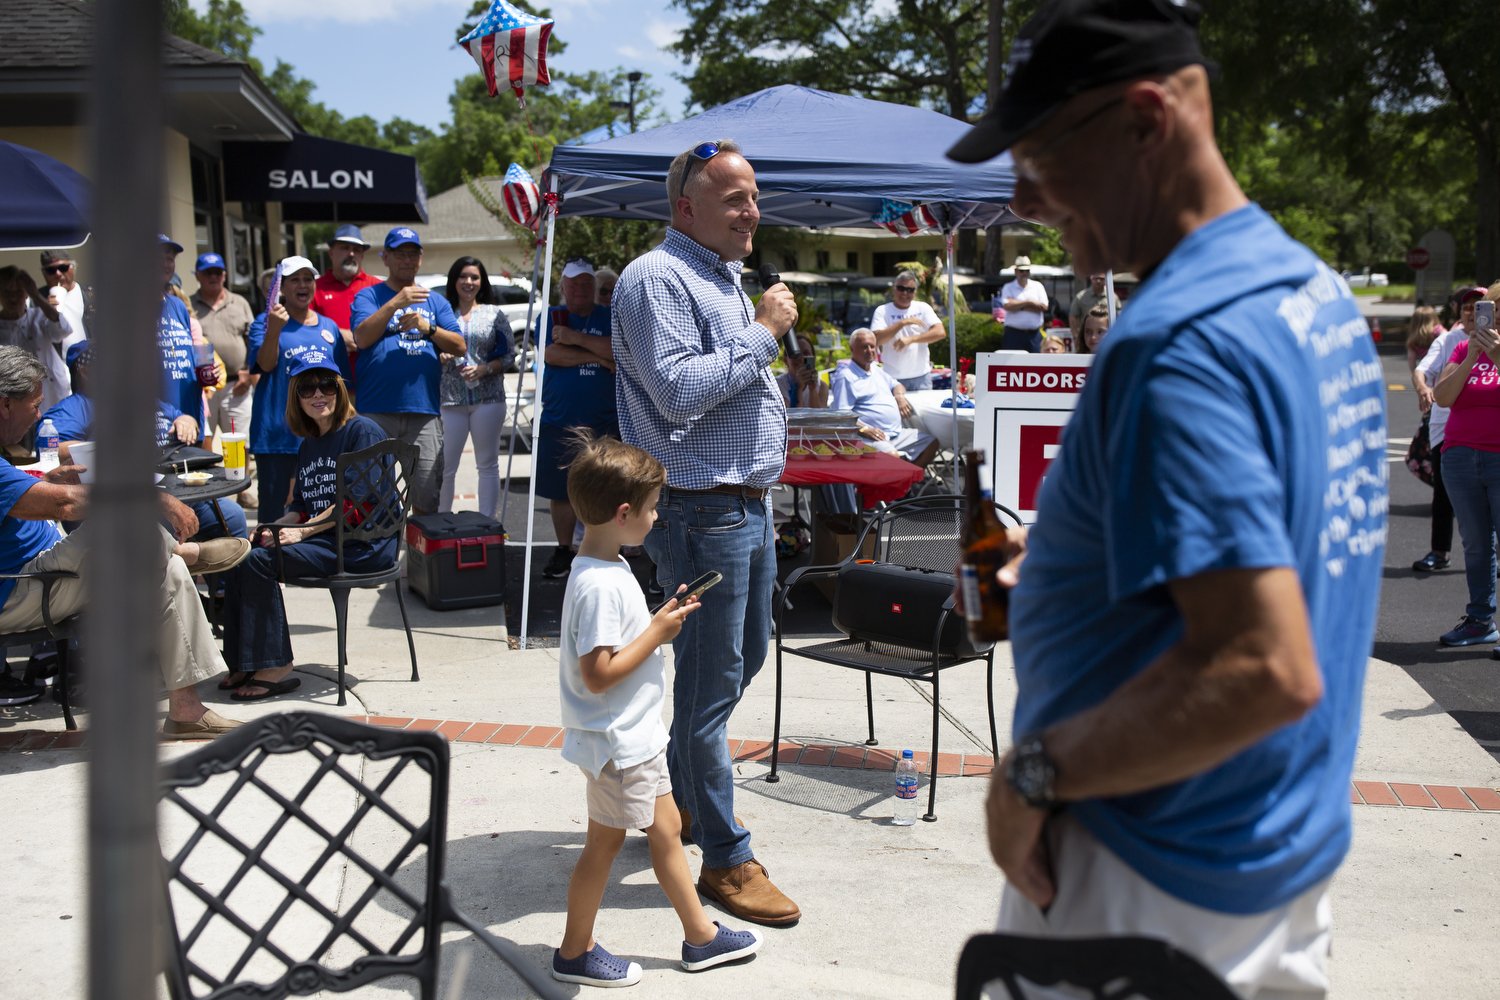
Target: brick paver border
(1408,795)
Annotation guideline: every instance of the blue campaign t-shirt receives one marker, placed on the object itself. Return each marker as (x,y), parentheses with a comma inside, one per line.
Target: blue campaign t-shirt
(174,337)
(269,433)
(1234,418)
(20,541)
(315,481)
(399,373)
(582,396)
(74,419)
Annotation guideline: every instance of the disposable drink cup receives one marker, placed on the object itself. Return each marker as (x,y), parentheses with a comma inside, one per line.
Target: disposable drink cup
(82,453)
(203,364)
(234,454)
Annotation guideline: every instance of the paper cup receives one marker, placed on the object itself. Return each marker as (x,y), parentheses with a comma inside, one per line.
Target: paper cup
(234,454)
(82,453)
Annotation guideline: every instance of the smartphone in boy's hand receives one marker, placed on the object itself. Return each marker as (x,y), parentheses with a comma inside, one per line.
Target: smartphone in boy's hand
(694,589)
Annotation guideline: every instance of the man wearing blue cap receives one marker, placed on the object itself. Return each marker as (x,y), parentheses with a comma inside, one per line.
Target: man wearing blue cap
(225,317)
(400,329)
(1192,621)
(334,293)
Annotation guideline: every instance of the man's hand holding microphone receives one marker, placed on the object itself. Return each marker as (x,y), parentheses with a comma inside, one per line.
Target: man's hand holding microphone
(777,309)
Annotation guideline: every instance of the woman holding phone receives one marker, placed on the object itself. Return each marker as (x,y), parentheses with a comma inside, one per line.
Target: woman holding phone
(1470,388)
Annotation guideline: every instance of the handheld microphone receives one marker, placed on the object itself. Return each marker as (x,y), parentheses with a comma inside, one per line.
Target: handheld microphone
(770,276)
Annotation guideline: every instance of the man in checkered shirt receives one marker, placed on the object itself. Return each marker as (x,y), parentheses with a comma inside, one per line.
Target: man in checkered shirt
(694,389)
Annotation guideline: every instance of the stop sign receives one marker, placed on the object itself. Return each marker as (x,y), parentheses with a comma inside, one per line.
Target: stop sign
(1418,258)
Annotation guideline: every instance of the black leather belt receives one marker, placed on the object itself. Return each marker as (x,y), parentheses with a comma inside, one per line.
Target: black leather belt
(728,489)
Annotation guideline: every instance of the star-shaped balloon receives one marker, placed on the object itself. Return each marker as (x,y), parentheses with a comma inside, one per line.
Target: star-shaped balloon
(510,44)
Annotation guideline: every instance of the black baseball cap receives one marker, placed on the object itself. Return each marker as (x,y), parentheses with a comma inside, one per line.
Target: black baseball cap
(1072,46)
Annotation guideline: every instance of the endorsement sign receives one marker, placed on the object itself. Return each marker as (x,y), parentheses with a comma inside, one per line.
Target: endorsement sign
(1021,404)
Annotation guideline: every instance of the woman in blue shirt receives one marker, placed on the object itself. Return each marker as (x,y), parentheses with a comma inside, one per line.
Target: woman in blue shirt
(257,642)
(280,336)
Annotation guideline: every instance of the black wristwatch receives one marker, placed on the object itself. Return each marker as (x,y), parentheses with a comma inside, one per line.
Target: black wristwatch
(1032,774)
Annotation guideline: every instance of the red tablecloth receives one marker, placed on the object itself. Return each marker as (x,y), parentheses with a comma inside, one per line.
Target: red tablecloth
(877,476)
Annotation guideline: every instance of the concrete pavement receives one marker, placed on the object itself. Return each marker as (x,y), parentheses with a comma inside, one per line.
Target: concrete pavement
(886,909)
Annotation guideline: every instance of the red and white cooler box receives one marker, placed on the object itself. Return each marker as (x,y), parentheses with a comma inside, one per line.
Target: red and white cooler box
(456,560)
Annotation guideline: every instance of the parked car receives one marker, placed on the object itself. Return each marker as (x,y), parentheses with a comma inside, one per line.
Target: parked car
(1366,280)
(515,298)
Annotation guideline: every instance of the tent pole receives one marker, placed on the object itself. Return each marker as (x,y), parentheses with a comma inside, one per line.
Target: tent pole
(536,417)
(953,355)
(515,413)
(1109,295)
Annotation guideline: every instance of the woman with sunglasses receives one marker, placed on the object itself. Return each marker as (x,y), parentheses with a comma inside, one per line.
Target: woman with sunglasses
(279,338)
(257,642)
(472,389)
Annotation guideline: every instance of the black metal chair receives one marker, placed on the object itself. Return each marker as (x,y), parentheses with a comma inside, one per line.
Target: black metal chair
(918,535)
(1111,968)
(50,631)
(373,487)
(282,810)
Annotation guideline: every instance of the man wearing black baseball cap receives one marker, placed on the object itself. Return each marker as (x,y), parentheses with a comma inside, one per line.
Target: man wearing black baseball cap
(1183,746)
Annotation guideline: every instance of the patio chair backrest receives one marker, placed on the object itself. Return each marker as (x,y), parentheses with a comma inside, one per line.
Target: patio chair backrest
(293,853)
(923,532)
(374,486)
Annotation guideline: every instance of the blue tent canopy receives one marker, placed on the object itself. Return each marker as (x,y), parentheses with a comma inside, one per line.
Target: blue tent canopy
(820,160)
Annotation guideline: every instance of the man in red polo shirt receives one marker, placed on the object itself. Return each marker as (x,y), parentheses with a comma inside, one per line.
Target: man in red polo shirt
(345,278)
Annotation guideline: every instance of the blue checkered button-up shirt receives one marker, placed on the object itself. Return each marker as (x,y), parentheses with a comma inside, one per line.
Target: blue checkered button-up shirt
(692,384)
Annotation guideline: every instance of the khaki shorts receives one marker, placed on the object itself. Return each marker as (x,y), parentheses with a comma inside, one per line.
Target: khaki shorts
(626,799)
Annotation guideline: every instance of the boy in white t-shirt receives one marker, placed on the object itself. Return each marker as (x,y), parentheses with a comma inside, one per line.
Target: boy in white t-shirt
(613,682)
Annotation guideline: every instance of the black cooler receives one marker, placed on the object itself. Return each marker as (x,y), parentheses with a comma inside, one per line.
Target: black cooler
(456,560)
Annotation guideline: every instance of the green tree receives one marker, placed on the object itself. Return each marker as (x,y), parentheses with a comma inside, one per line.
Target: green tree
(224,27)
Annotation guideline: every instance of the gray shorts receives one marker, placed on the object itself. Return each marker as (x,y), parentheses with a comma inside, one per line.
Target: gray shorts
(626,799)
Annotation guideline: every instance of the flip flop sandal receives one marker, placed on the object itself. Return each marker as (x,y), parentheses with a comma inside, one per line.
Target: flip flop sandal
(272,689)
(229,684)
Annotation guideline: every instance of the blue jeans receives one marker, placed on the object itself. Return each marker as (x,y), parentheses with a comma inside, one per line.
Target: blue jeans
(208,521)
(256,635)
(917,382)
(1472,479)
(720,649)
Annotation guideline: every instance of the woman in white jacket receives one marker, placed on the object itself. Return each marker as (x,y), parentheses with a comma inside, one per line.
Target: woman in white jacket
(38,329)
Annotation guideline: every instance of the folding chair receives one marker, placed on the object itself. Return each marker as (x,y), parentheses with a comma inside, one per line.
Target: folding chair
(50,631)
(283,849)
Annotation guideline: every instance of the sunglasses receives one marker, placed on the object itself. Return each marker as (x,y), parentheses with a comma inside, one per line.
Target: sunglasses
(702,153)
(56,268)
(908,289)
(325,387)
(1031,166)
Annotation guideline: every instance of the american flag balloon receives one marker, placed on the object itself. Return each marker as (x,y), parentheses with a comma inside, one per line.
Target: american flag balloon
(510,44)
(522,197)
(903,218)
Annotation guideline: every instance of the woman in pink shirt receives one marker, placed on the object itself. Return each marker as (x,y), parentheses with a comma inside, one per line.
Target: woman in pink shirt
(1470,388)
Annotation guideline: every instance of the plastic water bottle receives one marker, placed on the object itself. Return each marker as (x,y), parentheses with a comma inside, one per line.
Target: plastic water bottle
(906,790)
(46,443)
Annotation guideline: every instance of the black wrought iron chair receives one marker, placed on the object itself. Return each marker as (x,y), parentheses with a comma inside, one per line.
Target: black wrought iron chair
(303,811)
(917,538)
(1111,968)
(373,486)
(51,631)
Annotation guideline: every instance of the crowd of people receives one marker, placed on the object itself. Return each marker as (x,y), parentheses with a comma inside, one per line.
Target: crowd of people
(1189,631)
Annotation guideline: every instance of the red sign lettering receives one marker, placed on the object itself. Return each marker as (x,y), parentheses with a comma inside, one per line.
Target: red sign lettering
(1033,461)
(1018,379)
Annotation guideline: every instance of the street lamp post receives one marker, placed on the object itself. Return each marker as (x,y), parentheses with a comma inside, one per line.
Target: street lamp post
(634,77)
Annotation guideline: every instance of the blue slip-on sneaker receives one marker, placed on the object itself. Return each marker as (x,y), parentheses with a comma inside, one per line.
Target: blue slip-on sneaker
(727,946)
(595,967)
(1471,632)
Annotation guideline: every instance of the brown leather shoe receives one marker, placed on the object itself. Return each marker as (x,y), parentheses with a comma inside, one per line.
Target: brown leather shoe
(747,892)
(687,824)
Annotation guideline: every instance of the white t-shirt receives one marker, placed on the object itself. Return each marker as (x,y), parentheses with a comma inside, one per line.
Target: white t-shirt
(912,360)
(604,606)
(70,304)
(39,335)
(1432,365)
(1024,319)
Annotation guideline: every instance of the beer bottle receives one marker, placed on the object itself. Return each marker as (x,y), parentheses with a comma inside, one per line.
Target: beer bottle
(984,552)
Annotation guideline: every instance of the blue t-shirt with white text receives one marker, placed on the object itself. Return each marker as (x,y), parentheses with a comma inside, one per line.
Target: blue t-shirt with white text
(582,395)
(269,433)
(315,481)
(73,417)
(174,337)
(400,372)
(1234,419)
(20,541)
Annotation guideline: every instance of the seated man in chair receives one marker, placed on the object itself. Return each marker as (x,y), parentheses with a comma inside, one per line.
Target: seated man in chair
(30,542)
(879,401)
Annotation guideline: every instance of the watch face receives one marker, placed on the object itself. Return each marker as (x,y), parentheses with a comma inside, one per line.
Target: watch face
(1032,773)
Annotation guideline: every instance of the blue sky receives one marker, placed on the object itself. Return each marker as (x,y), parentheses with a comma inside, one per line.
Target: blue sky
(387,58)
